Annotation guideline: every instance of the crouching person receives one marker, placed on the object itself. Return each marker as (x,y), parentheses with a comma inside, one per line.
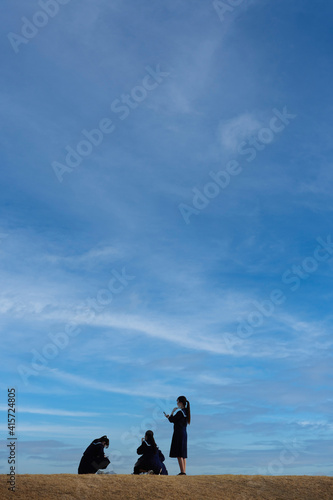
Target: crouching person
(152,458)
(94,458)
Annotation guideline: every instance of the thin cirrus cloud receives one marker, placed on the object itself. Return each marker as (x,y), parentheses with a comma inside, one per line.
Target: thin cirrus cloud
(53,411)
(153,391)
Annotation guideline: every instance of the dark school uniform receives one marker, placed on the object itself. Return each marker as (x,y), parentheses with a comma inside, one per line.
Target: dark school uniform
(162,458)
(93,459)
(150,459)
(179,438)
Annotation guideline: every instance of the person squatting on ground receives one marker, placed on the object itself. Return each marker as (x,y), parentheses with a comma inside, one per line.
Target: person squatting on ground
(93,457)
(151,459)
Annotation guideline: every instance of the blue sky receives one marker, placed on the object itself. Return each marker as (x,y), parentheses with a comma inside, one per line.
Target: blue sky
(113,303)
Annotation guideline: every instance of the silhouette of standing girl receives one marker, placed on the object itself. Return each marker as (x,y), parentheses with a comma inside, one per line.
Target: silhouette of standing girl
(180,417)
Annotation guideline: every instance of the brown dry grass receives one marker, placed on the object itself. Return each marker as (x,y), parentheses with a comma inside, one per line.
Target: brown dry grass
(128,487)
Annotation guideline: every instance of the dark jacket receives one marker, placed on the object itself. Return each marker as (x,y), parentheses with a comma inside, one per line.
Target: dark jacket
(93,459)
(150,459)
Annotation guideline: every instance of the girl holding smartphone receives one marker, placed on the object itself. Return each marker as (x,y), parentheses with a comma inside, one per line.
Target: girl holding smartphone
(180,417)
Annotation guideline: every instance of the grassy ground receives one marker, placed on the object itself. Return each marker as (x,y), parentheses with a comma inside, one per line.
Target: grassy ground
(128,487)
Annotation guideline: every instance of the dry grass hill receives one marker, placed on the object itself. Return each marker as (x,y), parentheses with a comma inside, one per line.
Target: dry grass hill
(129,487)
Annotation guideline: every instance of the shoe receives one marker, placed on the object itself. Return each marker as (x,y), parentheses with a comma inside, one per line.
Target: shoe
(182,474)
(150,472)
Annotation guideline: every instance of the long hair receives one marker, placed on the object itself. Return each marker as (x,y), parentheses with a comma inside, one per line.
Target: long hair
(103,438)
(187,407)
(150,439)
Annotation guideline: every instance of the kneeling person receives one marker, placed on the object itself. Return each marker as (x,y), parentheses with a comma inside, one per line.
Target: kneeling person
(152,458)
(93,457)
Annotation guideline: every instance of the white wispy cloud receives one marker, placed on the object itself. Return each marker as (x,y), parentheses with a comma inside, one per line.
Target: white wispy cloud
(91,257)
(53,411)
(153,390)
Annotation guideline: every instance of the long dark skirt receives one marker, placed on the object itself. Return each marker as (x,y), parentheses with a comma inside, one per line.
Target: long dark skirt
(148,463)
(179,443)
